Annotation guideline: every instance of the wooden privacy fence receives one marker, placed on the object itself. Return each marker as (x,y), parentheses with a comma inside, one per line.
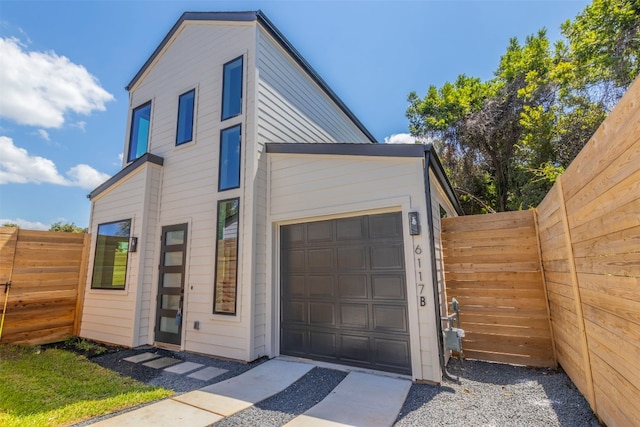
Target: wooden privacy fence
(47,271)
(492,267)
(589,245)
(590,238)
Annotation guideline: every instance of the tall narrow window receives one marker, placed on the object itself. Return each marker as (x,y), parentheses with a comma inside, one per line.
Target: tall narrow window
(185,117)
(139,137)
(110,261)
(232,89)
(226,286)
(229,168)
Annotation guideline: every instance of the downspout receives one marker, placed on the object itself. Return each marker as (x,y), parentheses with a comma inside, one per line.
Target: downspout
(434,270)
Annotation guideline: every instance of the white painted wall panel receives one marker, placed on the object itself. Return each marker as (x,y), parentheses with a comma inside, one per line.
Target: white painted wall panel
(305,187)
(109,315)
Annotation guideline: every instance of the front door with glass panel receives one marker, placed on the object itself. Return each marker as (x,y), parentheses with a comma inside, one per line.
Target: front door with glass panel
(173,251)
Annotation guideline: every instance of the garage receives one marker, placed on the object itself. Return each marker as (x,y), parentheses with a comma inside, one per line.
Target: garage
(343,292)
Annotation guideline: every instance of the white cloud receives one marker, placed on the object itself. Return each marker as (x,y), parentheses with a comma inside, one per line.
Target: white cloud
(80,125)
(86,177)
(23,223)
(38,88)
(44,134)
(400,138)
(18,166)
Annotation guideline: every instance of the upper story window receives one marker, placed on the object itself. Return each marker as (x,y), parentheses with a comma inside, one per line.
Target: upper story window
(185,117)
(232,89)
(139,138)
(110,260)
(229,168)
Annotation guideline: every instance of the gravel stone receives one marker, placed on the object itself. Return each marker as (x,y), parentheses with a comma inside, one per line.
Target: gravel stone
(491,394)
(281,408)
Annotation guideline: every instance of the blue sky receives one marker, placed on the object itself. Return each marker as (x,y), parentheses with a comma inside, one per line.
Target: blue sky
(64,65)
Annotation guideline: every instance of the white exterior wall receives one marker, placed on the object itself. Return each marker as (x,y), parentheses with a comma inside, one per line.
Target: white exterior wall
(194,58)
(113,315)
(290,107)
(317,187)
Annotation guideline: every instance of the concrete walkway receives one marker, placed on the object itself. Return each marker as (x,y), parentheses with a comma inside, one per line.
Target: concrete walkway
(361,399)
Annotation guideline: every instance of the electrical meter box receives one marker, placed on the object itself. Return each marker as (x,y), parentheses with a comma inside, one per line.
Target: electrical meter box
(453,339)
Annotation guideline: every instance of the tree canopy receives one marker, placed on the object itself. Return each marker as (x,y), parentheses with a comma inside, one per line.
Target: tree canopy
(68,227)
(504,141)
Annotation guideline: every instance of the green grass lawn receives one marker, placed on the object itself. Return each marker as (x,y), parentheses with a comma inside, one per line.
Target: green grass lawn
(55,388)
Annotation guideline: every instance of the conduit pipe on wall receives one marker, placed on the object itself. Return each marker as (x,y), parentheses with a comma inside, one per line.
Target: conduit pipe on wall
(434,270)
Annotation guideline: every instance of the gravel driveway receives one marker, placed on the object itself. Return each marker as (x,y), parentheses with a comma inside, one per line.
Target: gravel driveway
(488,395)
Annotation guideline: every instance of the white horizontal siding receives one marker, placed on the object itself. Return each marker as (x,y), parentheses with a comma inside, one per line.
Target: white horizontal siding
(109,315)
(292,107)
(189,191)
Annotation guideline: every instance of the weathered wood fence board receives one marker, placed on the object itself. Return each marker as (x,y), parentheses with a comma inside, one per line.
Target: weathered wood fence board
(492,267)
(592,265)
(47,271)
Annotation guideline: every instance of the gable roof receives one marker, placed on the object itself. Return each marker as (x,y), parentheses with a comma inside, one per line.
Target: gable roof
(261,19)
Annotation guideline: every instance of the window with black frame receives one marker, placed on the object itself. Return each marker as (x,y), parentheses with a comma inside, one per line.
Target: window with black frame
(110,260)
(186,104)
(140,127)
(226,284)
(232,89)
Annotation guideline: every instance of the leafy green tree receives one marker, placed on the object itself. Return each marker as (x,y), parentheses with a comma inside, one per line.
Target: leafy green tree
(505,141)
(68,227)
(10,224)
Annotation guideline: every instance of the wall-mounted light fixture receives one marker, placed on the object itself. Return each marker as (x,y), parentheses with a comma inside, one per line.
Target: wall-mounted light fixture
(133,244)
(414,223)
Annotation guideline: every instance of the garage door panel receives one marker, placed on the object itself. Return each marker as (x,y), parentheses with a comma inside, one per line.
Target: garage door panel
(294,340)
(390,318)
(320,232)
(320,259)
(294,285)
(385,226)
(322,344)
(294,312)
(386,286)
(387,256)
(393,354)
(292,235)
(293,261)
(354,348)
(350,229)
(354,316)
(322,314)
(352,258)
(353,286)
(322,286)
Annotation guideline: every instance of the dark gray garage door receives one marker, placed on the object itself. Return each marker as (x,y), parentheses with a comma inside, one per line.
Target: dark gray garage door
(344,294)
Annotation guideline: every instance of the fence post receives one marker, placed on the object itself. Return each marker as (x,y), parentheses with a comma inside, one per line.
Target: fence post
(577,298)
(82,283)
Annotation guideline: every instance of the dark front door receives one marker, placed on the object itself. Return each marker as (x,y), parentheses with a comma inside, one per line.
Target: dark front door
(343,292)
(173,251)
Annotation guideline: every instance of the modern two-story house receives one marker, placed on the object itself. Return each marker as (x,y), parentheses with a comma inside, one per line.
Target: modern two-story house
(256,216)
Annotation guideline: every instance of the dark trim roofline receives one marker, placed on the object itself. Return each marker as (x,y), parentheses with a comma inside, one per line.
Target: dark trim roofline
(377,150)
(147,157)
(384,150)
(259,17)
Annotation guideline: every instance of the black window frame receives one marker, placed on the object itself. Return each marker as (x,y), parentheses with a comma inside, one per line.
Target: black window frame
(224,117)
(133,123)
(102,286)
(221,158)
(217,264)
(193,112)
